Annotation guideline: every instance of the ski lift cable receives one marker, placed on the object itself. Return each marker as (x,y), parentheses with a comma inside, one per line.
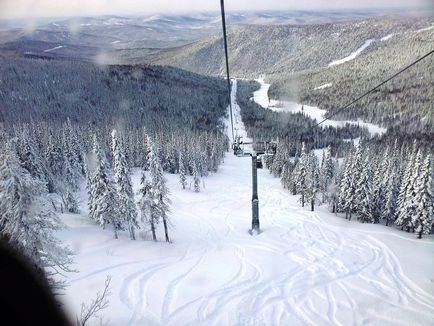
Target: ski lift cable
(374,88)
(222,6)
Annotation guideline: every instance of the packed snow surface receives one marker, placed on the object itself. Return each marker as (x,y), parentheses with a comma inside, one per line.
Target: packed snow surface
(304,268)
(311,111)
(261,95)
(352,55)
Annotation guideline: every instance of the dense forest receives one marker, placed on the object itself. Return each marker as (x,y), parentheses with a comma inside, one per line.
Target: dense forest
(386,179)
(68,124)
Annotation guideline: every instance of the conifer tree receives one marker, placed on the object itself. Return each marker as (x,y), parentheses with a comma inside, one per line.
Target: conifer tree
(422,219)
(302,175)
(159,191)
(146,204)
(364,192)
(313,180)
(27,219)
(127,206)
(409,205)
(105,200)
(196,178)
(182,177)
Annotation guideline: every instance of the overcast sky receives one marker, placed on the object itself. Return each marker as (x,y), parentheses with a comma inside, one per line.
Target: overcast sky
(45,8)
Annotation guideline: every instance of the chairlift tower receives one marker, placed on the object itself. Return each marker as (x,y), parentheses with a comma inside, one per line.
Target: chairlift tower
(255,200)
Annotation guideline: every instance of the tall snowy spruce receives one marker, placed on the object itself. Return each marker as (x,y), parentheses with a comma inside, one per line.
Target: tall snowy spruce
(196,178)
(407,204)
(104,196)
(327,171)
(302,175)
(364,192)
(146,205)
(27,219)
(127,206)
(347,193)
(422,220)
(313,182)
(159,191)
(182,171)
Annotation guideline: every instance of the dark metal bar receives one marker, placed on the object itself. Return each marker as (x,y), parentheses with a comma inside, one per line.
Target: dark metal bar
(255,200)
(222,5)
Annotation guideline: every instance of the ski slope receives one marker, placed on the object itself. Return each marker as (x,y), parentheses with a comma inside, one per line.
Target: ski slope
(261,97)
(305,268)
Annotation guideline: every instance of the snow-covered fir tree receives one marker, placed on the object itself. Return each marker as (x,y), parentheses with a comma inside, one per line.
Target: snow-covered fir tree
(196,178)
(105,199)
(182,171)
(364,192)
(327,170)
(127,206)
(408,205)
(313,182)
(146,205)
(159,191)
(27,219)
(422,219)
(347,193)
(302,175)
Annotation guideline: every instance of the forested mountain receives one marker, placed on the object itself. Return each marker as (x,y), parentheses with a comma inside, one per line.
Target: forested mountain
(35,90)
(297,60)
(126,39)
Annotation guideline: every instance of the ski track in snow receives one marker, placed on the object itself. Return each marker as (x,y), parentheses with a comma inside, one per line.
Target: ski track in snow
(352,55)
(300,270)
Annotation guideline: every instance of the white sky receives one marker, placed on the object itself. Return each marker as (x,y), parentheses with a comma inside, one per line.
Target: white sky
(44,8)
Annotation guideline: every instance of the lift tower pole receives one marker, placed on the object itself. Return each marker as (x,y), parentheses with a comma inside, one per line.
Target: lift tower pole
(222,6)
(255,200)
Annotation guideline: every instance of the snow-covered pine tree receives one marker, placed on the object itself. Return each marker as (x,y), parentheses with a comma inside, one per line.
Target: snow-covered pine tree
(159,191)
(105,199)
(33,162)
(127,206)
(379,185)
(364,192)
(313,181)
(182,177)
(334,187)
(146,205)
(408,206)
(27,219)
(302,176)
(196,178)
(422,219)
(353,169)
(327,171)
(391,182)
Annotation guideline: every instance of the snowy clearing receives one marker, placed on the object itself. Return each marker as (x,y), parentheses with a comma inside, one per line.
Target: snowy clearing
(311,111)
(261,95)
(55,48)
(304,268)
(323,86)
(352,55)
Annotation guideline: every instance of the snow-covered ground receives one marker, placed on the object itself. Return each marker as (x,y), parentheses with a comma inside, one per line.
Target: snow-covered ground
(305,268)
(352,55)
(261,97)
